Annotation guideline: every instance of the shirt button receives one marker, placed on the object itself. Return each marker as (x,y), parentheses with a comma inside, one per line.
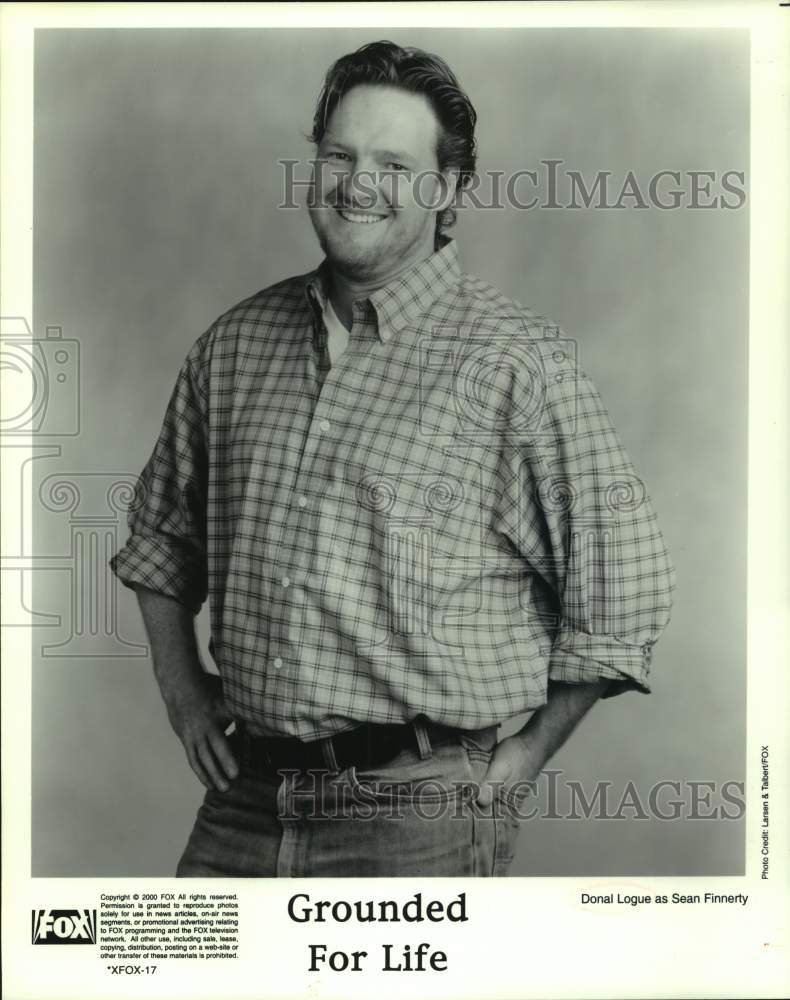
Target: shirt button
(278,662)
(285,581)
(302,501)
(324,425)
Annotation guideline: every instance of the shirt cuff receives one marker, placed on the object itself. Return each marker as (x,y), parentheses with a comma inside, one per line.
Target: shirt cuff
(163,566)
(582,658)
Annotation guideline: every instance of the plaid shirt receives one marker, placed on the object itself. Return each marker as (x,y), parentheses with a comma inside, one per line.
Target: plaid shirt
(441,523)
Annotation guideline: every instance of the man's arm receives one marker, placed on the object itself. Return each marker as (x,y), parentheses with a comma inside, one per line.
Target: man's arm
(523,756)
(570,501)
(165,561)
(193,698)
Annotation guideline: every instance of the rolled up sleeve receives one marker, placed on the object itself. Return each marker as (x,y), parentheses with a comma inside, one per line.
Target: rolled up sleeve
(575,508)
(166,548)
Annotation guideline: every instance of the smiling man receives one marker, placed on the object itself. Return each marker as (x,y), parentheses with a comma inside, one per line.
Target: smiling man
(379,166)
(410,514)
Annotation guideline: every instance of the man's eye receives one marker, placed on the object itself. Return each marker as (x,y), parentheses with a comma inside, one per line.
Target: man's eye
(335,154)
(399,167)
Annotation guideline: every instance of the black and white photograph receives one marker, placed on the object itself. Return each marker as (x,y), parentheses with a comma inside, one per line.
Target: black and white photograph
(403,546)
(377,467)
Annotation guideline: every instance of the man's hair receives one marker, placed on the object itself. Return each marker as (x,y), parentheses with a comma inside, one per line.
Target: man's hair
(416,72)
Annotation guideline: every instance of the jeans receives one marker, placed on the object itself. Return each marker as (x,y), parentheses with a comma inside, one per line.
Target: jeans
(415,815)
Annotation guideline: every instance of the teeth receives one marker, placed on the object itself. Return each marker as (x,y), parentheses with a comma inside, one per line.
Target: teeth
(365,219)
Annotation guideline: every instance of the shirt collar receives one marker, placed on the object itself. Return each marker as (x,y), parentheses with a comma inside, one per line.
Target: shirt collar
(405,299)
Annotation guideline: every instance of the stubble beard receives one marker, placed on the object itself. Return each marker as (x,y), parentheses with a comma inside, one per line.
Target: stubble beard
(355,263)
(363,264)
(357,266)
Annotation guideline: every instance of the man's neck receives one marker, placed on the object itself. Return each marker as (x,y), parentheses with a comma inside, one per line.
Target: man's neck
(345,291)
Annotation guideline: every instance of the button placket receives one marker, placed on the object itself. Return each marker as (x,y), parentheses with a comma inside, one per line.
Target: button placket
(282,591)
(287,577)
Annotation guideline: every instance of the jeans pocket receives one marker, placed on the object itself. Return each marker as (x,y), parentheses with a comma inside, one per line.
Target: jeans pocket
(514,796)
(479,742)
(479,748)
(443,776)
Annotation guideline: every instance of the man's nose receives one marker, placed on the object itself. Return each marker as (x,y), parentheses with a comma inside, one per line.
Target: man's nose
(360,188)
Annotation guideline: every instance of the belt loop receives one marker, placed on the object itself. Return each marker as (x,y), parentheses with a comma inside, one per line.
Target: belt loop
(328,750)
(423,740)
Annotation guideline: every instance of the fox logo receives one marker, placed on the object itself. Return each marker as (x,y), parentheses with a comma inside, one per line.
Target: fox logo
(64,927)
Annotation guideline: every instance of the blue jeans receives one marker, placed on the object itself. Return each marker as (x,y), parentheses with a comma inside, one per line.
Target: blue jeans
(415,815)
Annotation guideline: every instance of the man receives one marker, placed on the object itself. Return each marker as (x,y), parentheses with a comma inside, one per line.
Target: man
(411,516)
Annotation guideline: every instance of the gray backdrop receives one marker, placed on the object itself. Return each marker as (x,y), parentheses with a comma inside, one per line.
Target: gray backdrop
(156,185)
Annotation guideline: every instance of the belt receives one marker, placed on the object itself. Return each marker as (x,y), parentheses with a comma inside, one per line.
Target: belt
(366,746)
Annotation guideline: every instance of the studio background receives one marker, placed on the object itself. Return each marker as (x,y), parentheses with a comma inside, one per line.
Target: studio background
(155,194)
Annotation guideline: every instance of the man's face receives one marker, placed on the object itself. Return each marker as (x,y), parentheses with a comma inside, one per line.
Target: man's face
(374,215)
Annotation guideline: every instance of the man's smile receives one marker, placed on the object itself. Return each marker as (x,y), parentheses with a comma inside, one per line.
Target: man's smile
(361,218)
